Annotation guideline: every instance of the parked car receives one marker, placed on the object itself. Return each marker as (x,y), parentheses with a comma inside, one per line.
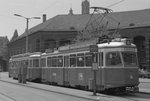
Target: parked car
(144,73)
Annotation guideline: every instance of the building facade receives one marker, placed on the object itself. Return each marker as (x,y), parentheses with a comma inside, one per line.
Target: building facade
(141,38)
(41,41)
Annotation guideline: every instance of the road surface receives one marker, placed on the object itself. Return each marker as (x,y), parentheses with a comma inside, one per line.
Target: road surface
(12,92)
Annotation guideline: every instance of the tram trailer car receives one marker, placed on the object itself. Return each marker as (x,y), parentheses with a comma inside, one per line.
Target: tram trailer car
(72,66)
(34,70)
(29,60)
(16,63)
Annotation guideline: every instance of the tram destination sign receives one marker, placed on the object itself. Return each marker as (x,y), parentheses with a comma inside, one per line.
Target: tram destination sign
(93,48)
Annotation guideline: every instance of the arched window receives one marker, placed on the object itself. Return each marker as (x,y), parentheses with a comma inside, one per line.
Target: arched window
(139,41)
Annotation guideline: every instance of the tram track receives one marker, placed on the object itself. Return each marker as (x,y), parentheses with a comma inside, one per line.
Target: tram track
(6,97)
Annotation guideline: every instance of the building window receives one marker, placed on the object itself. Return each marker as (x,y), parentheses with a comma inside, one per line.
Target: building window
(37,45)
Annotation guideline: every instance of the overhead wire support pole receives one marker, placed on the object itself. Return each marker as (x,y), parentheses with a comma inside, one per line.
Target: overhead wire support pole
(94,51)
(23,68)
(27,39)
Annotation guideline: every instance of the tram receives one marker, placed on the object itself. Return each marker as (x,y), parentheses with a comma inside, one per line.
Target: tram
(16,63)
(71,65)
(25,64)
(34,69)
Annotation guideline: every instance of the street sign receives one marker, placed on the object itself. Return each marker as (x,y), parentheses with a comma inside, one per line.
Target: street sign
(95,66)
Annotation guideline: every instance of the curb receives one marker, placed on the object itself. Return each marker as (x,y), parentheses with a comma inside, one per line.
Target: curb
(144,92)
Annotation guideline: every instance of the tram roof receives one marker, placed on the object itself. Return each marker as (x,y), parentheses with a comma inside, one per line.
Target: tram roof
(35,55)
(85,45)
(21,55)
(115,44)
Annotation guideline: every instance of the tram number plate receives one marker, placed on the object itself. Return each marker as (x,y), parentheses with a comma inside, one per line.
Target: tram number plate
(95,66)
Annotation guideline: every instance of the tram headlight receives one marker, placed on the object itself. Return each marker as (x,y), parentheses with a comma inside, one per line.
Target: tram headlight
(128,42)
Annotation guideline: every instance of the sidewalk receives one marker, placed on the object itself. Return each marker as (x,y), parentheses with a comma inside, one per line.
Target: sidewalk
(144,81)
(61,90)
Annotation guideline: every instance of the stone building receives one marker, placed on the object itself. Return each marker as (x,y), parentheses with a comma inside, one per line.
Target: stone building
(62,29)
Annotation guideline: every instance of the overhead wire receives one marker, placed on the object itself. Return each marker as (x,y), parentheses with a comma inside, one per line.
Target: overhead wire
(115,3)
(51,5)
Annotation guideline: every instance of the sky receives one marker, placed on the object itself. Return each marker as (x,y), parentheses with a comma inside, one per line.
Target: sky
(36,8)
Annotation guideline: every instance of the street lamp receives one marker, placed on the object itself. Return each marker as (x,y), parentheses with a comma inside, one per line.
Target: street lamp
(27,25)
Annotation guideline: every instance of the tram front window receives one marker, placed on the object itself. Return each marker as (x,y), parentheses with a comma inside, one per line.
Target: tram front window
(113,59)
(129,58)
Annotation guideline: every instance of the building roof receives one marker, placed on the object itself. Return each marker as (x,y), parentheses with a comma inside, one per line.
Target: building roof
(77,22)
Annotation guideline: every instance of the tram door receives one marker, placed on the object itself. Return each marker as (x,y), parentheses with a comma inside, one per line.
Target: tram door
(66,71)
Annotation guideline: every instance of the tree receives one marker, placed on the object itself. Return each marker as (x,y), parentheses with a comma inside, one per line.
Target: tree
(3,52)
(15,35)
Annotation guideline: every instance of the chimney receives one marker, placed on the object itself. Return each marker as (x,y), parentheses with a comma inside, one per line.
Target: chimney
(44,17)
(85,7)
(70,11)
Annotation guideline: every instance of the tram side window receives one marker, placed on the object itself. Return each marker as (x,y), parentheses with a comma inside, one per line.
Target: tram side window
(60,61)
(35,62)
(66,61)
(54,61)
(10,65)
(88,59)
(30,63)
(16,64)
(113,59)
(43,62)
(101,59)
(80,60)
(73,60)
(27,63)
(13,64)
(49,62)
